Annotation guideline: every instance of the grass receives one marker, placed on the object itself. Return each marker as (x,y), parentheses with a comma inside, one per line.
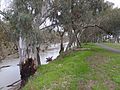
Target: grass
(95,69)
(105,71)
(113,45)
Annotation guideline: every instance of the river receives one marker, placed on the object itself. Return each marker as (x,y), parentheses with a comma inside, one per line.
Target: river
(9,75)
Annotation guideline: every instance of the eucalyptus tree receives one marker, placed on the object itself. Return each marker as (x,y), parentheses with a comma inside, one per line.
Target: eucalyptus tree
(88,13)
(23,16)
(75,16)
(2,38)
(72,16)
(5,40)
(110,23)
(28,13)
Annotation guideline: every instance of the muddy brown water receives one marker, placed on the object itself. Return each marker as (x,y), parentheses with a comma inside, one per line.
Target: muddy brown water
(9,75)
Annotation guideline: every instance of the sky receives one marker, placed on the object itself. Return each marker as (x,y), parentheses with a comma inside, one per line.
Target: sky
(116,2)
(5,3)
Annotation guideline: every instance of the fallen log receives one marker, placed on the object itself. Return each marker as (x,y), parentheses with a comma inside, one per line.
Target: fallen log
(5,66)
(13,83)
(49,59)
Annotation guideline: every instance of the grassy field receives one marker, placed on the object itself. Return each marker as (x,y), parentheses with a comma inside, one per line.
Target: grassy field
(113,45)
(94,69)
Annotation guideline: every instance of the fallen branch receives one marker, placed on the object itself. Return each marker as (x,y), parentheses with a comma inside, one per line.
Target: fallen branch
(13,83)
(5,66)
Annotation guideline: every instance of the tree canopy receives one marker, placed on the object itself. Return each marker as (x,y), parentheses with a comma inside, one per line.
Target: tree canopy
(29,18)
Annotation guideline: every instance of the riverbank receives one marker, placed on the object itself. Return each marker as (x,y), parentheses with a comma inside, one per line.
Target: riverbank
(6,59)
(9,69)
(10,56)
(96,69)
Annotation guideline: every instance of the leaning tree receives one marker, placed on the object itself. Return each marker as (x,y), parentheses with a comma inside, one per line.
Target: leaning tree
(110,22)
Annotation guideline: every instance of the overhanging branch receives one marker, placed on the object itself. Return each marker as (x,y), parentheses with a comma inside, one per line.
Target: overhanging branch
(96,26)
(3,13)
(52,25)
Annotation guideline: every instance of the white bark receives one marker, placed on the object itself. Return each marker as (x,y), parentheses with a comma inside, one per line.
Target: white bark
(26,52)
(22,49)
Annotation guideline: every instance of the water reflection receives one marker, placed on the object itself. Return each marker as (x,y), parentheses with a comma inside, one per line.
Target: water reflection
(50,53)
(10,74)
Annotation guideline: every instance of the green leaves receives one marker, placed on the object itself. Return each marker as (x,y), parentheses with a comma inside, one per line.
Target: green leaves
(111,21)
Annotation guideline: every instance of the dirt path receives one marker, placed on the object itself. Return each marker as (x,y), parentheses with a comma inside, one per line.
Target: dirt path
(108,48)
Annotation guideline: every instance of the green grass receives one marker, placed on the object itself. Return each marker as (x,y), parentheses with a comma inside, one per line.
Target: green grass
(105,70)
(96,68)
(113,45)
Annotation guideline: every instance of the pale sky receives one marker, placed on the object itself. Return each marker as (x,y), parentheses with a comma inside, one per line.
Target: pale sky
(4,4)
(116,2)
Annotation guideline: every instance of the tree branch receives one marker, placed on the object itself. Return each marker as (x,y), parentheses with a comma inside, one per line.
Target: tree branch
(3,13)
(96,26)
(49,26)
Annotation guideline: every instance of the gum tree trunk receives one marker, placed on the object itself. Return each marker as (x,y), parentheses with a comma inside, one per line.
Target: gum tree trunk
(61,44)
(22,49)
(28,60)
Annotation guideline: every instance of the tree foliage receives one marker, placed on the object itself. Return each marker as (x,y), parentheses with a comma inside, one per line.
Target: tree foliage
(74,17)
